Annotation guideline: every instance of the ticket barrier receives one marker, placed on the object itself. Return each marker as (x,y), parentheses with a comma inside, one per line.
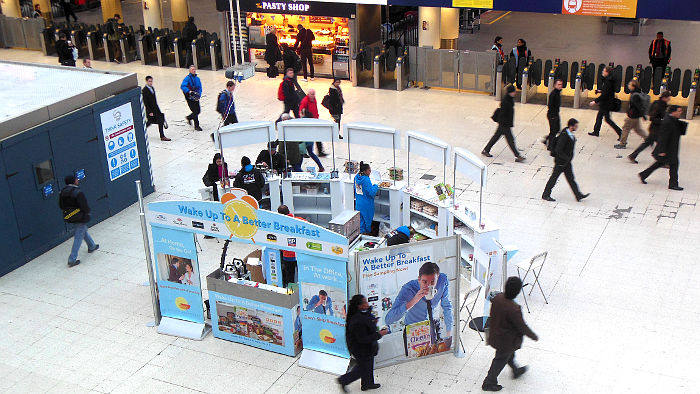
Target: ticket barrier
(127,43)
(402,72)
(529,89)
(79,38)
(180,53)
(200,56)
(215,53)
(48,41)
(95,44)
(147,47)
(164,50)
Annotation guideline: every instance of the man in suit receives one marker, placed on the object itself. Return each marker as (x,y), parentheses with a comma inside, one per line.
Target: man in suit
(553,104)
(153,113)
(505,122)
(563,152)
(605,103)
(506,333)
(174,266)
(668,147)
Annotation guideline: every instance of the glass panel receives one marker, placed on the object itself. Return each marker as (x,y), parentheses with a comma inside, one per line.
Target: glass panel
(44,172)
(486,67)
(467,68)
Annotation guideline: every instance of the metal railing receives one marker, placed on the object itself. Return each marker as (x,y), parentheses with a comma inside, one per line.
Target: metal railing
(453,69)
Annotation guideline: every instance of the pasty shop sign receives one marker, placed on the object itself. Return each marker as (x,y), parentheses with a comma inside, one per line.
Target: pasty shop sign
(283,6)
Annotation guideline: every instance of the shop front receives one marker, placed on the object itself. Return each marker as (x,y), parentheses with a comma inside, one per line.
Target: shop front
(331,23)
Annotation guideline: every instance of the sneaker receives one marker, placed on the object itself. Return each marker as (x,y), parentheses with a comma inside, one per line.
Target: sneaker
(491,387)
(165,139)
(312,78)
(197,128)
(304,79)
(73,264)
(520,159)
(485,153)
(633,159)
(97,246)
(620,146)
(371,387)
(518,372)
(582,196)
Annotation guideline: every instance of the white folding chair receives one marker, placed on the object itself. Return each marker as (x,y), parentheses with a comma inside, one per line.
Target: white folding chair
(535,266)
(471,297)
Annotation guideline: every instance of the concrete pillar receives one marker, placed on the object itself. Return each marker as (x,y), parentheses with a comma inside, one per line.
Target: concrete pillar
(45,7)
(111,7)
(181,12)
(11,8)
(449,28)
(152,15)
(429,27)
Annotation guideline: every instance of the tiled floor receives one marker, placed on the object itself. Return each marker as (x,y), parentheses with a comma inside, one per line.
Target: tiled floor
(621,276)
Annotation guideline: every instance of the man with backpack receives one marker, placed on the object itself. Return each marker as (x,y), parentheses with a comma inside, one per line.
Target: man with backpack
(563,154)
(287,93)
(112,29)
(639,106)
(192,89)
(656,115)
(76,211)
(225,104)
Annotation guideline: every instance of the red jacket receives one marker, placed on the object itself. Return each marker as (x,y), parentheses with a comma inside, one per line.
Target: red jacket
(310,106)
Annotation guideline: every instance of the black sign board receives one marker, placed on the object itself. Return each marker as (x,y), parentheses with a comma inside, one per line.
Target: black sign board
(291,7)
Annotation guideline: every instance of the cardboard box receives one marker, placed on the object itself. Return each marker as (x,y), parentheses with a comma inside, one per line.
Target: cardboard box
(256,268)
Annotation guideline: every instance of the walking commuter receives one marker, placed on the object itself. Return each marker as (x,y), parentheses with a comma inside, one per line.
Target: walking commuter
(226,106)
(250,179)
(335,103)
(192,89)
(77,212)
(302,45)
(153,113)
(659,53)
(272,52)
(668,147)
(37,11)
(68,11)
(506,331)
(498,47)
(553,105)
(290,149)
(310,105)
(638,102)
(520,51)
(656,115)
(189,34)
(289,93)
(64,49)
(217,171)
(605,102)
(563,152)
(505,122)
(113,29)
(365,191)
(361,336)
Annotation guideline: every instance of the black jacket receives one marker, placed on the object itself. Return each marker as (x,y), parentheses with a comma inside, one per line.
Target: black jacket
(397,238)
(252,181)
(272,49)
(607,93)
(149,101)
(304,41)
(507,326)
(554,103)
(69,199)
(336,101)
(189,33)
(635,111)
(361,335)
(290,94)
(564,150)
(277,160)
(656,115)
(213,172)
(291,60)
(669,139)
(65,53)
(291,148)
(505,117)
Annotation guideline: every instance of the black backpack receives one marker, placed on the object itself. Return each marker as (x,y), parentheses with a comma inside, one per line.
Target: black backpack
(69,201)
(552,144)
(110,27)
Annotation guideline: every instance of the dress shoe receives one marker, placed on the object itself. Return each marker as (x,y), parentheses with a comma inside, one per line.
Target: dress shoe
(197,128)
(518,372)
(189,120)
(165,139)
(305,156)
(342,386)
(582,196)
(321,169)
(485,153)
(594,134)
(340,136)
(633,159)
(620,146)
(644,180)
(208,237)
(74,263)
(491,387)
(548,198)
(97,246)
(322,154)
(520,159)
(371,387)
(675,188)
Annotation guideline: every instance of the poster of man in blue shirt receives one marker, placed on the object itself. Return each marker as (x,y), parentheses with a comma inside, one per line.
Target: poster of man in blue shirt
(419,300)
(321,303)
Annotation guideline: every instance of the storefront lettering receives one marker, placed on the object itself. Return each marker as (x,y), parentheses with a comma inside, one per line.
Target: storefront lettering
(298,7)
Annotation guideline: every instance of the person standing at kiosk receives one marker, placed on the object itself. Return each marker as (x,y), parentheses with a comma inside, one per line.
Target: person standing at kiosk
(250,179)
(364,197)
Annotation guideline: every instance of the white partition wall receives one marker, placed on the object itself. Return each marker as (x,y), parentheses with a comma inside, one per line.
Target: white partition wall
(429,147)
(309,129)
(469,165)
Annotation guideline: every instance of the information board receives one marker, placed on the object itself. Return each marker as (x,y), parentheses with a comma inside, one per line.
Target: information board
(120,140)
(472,3)
(616,8)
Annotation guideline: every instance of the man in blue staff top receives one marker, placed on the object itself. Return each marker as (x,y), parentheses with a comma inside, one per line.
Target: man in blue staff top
(321,303)
(412,301)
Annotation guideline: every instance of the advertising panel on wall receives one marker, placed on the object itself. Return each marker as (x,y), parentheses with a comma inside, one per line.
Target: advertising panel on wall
(120,140)
(323,297)
(613,8)
(472,3)
(413,290)
(177,274)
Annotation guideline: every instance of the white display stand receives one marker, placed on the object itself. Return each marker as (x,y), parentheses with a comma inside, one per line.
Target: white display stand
(309,129)
(429,147)
(387,202)
(317,207)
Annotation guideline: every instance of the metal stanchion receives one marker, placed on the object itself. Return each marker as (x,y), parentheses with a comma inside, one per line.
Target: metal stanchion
(550,85)
(523,83)
(376,72)
(400,77)
(577,91)
(149,262)
(498,92)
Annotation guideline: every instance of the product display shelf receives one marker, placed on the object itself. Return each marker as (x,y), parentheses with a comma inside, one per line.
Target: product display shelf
(421,196)
(472,234)
(317,200)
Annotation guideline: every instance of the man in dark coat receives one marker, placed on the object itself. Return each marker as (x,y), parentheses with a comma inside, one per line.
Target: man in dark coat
(249,179)
(153,113)
(605,103)
(505,122)
(506,333)
(77,212)
(277,163)
(656,115)
(272,48)
(291,99)
(189,33)
(659,53)
(64,49)
(563,152)
(553,104)
(303,45)
(668,147)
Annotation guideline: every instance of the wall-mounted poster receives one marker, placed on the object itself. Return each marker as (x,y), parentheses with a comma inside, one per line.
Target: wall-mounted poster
(616,8)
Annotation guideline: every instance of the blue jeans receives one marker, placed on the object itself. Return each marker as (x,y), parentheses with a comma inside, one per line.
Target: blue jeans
(312,155)
(81,233)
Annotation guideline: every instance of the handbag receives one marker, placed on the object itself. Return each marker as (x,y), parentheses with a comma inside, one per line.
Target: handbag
(205,179)
(616,104)
(496,114)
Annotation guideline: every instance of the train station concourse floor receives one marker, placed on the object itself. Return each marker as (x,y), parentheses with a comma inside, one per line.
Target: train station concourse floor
(621,276)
